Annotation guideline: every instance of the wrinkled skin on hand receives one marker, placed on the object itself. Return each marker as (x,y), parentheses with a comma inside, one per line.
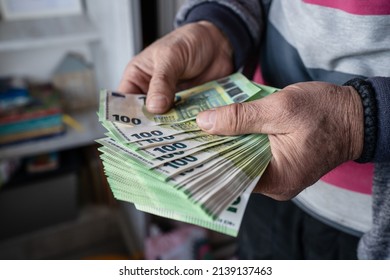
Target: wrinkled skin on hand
(313,127)
(190,55)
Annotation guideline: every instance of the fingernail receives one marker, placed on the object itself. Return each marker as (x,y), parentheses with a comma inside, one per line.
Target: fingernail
(157,103)
(206,119)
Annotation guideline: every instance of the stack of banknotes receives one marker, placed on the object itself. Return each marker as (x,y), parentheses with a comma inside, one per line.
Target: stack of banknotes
(167,166)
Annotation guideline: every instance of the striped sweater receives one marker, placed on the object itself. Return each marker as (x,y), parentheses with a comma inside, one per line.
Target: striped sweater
(322,40)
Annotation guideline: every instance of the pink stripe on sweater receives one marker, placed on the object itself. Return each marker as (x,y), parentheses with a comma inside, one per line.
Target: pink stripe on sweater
(357,7)
(352,176)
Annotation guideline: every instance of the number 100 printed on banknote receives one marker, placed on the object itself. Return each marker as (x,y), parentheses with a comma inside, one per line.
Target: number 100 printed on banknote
(167,166)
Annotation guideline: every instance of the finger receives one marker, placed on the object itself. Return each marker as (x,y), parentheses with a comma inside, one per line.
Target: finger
(162,86)
(134,80)
(161,92)
(125,86)
(236,119)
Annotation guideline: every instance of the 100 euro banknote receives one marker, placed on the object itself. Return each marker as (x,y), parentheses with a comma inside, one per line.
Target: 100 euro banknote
(130,109)
(166,165)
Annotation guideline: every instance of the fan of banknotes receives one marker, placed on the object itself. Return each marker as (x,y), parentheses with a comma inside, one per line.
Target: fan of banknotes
(167,166)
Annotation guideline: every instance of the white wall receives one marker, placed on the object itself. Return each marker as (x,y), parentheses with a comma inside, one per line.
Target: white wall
(37,63)
(119,38)
(119,24)
(119,29)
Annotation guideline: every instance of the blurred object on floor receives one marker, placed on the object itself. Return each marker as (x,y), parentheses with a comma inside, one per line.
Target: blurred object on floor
(43,162)
(98,233)
(34,200)
(184,243)
(7,168)
(222,246)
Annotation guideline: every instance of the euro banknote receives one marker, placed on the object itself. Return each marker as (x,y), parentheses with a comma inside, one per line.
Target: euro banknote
(167,166)
(130,108)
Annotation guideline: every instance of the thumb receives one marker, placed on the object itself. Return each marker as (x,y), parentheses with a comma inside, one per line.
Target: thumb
(239,118)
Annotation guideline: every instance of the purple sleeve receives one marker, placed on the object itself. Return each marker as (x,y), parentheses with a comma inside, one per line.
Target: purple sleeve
(381,86)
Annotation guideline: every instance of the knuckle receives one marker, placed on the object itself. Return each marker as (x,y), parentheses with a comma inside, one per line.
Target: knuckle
(293,97)
(132,69)
(251,114)
(238,118)
(288,102)
(234,117)
(289,106)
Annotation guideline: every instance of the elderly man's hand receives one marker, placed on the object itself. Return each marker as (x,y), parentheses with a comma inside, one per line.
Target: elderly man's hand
(313,127)
(192,54)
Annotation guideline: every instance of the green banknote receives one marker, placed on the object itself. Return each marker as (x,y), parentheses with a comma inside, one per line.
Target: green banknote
(167,166)
(130,108)
(228,222)
(181,190)
(128,134)
(177,163)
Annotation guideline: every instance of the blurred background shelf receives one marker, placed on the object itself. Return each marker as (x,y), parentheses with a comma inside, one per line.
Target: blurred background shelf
(91,130)
(54,219)
(69,212)
(37,33)
(106,35)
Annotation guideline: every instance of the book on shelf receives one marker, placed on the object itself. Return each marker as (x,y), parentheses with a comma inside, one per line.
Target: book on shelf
(31,125)
(29,113)
(32,135)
